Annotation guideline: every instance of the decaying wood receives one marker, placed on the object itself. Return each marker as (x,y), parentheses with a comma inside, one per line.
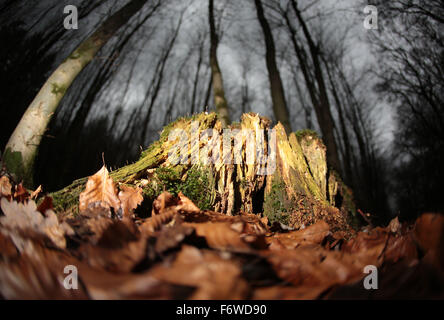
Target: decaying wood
(300,189)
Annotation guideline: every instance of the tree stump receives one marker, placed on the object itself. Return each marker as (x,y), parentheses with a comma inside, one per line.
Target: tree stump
(247,167)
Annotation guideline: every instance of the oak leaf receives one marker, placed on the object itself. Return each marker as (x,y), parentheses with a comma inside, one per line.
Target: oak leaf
(101,189)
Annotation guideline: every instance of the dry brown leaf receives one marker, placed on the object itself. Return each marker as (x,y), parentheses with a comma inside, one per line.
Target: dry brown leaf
(100,188)
(24,216)
(45,205)
(171,237)
(21,194)
(222,235)
(163,201)
(289,293)
(313,234)
(122,259)
(36,193)
(429,234)
(213,276)
(130,198)
(395,226)
(186,205)
(5,187)
(91,224)
(39,275)
(154,223)
(315,266)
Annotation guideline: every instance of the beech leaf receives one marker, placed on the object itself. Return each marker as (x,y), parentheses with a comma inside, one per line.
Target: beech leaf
(101,189)
(130,199)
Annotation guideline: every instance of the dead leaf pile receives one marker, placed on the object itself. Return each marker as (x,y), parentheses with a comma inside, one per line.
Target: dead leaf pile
(181,252)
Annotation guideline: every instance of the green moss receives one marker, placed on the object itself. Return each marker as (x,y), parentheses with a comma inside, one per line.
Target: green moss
(197,184)
(199,187)
(68,198)
(13,160)
(56,89)
(306,132)
(348,202)
(277,205)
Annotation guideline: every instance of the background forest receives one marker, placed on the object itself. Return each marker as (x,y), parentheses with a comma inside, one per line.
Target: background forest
(376,95)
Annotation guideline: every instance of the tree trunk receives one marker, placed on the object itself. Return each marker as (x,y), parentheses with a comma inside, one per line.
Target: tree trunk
(339,107)
(277,89)
(220,101)
(159,81)
(323,113)
(21,149)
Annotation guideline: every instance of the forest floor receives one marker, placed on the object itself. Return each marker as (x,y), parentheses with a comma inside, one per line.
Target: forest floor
(182,252)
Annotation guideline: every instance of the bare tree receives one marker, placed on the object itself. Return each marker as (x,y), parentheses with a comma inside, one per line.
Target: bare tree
(277,89)
(410,69)
(323,111)
(23,144)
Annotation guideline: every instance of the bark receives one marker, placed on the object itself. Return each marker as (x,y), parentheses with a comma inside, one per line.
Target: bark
(220,101)
(280,108)
(208,93)
(23,144)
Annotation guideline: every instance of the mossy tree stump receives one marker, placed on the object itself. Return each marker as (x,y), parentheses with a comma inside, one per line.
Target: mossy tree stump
(288,182)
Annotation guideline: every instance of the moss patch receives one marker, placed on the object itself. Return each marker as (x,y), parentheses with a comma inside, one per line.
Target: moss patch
(306,132)
(13,161)
(197,184)
(277,204)
(56,89)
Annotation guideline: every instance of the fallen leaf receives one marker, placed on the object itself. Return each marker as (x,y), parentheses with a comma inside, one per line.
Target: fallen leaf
(171,237)
(429,234)
(5,187)
(186,205)
(395,226)
(221,235)
(313,234)
(101,189)
(21,194)
(36,193)
(163,201)
(24,216)
(130,198)
(213,276)
(45,205)
(119,248)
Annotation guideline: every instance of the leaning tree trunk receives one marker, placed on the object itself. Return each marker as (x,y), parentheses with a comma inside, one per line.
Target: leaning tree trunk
(285,177)
(21,149)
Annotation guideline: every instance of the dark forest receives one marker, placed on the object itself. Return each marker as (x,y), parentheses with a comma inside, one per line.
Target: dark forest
(144,139)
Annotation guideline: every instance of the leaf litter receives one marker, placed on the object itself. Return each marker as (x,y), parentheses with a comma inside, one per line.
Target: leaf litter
(182,252)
